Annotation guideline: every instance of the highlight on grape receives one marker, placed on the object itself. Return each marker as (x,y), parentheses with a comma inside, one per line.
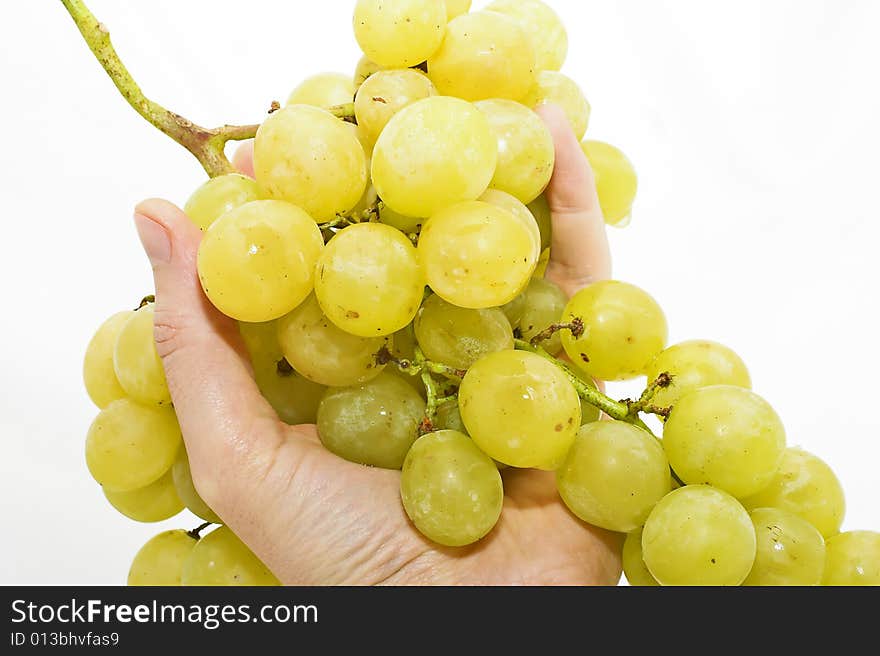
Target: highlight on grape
(385,266)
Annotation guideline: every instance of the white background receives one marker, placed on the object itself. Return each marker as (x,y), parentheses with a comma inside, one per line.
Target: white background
(753,125)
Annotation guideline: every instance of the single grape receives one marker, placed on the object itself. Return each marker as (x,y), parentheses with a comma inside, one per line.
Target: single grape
(257,262)
(160,560)
(325,354)
(450,489)
(369,281)
(540,209)
(459,337)
(476,255)
(624,329)
(513,205)
(308,157)
(790,551)
(219,195)
(806,486)
(448,417)
(520,409)
(544,304)
(371,424)
(559,89)
(220,558)
(457,8)
(406,224)
(399,33)
(384,94)
(186,489)
(724,436)
(484,55)
(514,310)
(634,567)
(852,558)
(136,362)
(613,475)
(99,375)
(364,69)
(543,262)
(152,503)
(130,445)
(323,90)
(616,180)
(693,365)
(543,28)
(434,153)
(698,535)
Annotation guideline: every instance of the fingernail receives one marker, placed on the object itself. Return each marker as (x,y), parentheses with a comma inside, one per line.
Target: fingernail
(154,238)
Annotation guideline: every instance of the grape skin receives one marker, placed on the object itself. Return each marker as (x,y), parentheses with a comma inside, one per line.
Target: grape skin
(457,8)
(540,209)
(634,567)
(790,551)
(99,375)
(561,90)
(186,489)
(136,362)
(616,181)
(384,94)
(219,195)
(543,28)
(220,558)
(399,33)
(160,560)
(323,90)
(852,558)
(544,304)
(516,207)
(152,503)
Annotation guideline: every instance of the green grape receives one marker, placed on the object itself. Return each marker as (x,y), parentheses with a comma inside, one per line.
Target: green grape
(559,89)
(220,558)
(372,424)
(257,262)
(136,362)
(542,26)
(510,203)
(448,417)
(99,375)
(806,486)
(545,303)
(130,445)
(693,365)
(852,558)
(404,348)
(514,310)
(160,560)
(406,224)
(520,409)
(634,567)
(616,181)
(186,489)
(724,436)
(369,281)
(589,413)
(151,503)
(434,153)
(450,489)
(613,475)
(219,195)
(308,157)
(458,336)
(484,55)
(540,209)
(293,397)
(624,329)
(323,90)
(399,33)
(476,255)
(364,69)
(325,354)
(790,551)
(457,8)
(384,94)
(698,535)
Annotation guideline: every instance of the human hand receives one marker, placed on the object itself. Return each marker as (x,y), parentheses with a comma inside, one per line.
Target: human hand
(314,518)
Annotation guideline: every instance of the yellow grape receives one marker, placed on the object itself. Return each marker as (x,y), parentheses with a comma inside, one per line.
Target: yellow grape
(325,354)
(540,209)
(399,33)
(130,445)
(624,330)
(369,281)
(136,362)
(476,255)
(186,489)
(724,436)
(616,181)
(364,69)
(257,262)
(219,195)
(449,418)
(450,489)
(634,567)
(308,157)
(693,365)
(852,558)
(513,205)
(220,558)
(99,375)
(543,28)
(160,560)
(406,224)
(543,262)
(807,487)
(790,551)
(613,475)
(698,535)
(544,304)
(384,94)
(520,409)
(434,153)
(456,8)
(484,55)
(559,89)
(323,90)
(514,310)
(151,503)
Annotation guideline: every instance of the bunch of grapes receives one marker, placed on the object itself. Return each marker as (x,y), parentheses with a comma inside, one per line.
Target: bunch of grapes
(385,265)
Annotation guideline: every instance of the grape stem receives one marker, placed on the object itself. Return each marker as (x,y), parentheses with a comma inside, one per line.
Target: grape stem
(575,327)
(644,403)
(432,390)
(195,533)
